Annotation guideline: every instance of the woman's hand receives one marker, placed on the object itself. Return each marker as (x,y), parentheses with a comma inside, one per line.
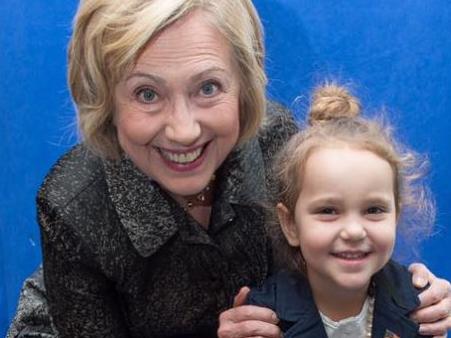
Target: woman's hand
(247,320)
(434,312)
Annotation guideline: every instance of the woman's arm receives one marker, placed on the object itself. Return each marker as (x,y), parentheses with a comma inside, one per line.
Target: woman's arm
(32,318)
(434,312)
(82,302)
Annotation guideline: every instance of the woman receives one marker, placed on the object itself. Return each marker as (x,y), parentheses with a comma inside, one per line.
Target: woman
(153,223)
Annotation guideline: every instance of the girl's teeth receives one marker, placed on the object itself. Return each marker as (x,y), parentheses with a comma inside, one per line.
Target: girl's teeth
(351,255)
(182,158)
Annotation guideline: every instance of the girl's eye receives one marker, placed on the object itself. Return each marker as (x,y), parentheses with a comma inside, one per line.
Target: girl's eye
(146,95)
(209,89)
(327,214)
(327,211)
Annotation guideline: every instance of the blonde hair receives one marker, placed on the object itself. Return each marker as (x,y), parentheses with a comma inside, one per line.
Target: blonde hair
(334,117)
(109,36)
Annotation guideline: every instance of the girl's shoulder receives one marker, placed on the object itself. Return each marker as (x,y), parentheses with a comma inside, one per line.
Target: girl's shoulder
(282,290)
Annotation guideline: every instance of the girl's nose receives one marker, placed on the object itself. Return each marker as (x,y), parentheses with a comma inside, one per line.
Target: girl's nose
(353,230)
(182,126)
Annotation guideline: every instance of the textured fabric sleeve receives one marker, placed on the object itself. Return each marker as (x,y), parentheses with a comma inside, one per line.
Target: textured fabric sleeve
(81,300)
(32,318)
(277,130)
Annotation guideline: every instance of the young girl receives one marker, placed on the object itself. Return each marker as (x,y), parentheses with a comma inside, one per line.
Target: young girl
(344,185)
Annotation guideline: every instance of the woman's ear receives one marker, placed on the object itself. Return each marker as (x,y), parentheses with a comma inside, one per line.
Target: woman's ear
(288,225)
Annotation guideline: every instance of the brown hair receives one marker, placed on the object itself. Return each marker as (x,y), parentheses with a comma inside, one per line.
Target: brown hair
(334,117)
(109,36)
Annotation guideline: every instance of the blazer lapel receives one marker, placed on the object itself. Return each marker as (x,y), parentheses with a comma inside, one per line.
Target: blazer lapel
(296,308)
(395,299)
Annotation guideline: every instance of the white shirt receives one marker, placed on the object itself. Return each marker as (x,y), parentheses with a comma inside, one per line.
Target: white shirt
(349,327)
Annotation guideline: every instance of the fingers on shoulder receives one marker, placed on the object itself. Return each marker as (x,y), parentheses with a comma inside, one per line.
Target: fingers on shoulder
(249,328)
(436,329)
(248,321)
(439,291)
(248,312)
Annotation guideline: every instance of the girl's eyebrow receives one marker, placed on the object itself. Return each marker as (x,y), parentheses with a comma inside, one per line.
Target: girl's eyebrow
(326,200)
(336,200)
(379,200)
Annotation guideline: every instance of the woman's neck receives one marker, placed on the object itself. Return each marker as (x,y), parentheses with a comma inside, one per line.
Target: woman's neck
(198,205)
(338,303)
(201,214)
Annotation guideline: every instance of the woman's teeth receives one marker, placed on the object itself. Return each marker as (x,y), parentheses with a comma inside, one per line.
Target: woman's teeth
(184,158)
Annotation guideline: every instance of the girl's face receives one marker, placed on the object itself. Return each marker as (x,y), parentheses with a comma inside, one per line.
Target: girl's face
(345,218)
(177,111)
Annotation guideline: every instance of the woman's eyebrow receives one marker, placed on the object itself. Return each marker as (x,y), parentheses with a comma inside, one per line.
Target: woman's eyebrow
(207,71)
(154,78)
(161,80)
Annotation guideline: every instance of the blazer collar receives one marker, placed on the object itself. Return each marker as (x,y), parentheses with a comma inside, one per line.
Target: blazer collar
(150,216)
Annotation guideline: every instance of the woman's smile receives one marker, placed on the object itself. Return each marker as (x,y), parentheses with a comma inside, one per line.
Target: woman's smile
(184,160)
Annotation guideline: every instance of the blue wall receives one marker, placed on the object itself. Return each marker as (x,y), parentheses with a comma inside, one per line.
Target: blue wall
(395,54)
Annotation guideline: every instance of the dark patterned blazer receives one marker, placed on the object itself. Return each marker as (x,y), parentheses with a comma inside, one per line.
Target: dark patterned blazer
(122,259)
(290,296)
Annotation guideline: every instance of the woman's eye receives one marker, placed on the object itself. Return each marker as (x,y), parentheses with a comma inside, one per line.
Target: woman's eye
(209,89)
(375,210)
(146,95)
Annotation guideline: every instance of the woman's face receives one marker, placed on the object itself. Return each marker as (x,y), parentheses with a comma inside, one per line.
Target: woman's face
(177,110)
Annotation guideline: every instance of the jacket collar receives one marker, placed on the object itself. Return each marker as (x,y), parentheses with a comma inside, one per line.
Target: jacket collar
(150,216)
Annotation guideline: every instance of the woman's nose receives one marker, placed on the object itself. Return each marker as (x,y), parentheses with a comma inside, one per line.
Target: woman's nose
(353,229)
(182,126)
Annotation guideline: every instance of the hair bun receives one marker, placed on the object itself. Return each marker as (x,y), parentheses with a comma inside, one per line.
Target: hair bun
(331,101)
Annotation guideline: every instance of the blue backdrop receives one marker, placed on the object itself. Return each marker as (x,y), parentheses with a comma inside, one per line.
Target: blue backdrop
(395,54)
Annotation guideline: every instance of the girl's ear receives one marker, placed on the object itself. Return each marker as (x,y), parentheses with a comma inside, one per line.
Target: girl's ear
(288,225)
